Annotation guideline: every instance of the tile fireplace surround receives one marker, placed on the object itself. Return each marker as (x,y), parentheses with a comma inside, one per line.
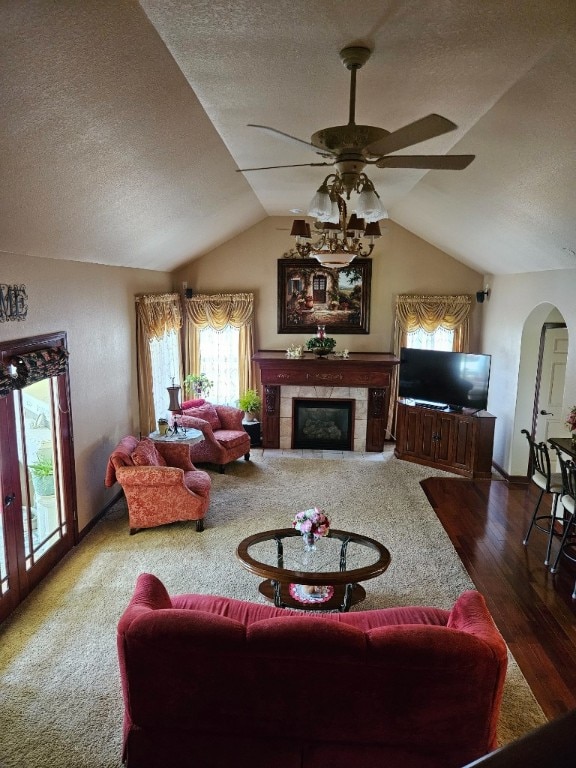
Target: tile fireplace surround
(363,377)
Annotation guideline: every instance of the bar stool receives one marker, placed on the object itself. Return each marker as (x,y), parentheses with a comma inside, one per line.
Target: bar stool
(568,501)
(548,482)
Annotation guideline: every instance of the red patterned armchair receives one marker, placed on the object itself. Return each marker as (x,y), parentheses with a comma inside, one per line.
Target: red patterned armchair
(225,439)
(160,483)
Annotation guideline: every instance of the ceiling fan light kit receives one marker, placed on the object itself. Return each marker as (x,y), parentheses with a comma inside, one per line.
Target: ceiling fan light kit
(350,148)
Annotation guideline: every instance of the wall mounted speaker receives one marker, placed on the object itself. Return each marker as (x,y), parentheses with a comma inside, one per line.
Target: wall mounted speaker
(481,295)
(188,293)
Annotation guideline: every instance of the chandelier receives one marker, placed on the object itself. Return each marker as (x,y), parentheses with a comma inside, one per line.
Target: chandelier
(341,239)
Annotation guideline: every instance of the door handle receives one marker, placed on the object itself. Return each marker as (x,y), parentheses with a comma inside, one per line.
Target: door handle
(546,413)
(9,499)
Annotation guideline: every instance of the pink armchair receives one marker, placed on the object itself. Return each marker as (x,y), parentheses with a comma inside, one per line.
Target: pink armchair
(225,439)
(160,483)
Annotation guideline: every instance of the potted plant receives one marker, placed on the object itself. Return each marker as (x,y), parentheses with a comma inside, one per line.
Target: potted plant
(250,402)
(198,383)
(43,476)
(321,346)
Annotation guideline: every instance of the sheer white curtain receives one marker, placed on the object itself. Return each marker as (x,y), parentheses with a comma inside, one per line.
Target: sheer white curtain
(165,358)
(219,360)
(441,339)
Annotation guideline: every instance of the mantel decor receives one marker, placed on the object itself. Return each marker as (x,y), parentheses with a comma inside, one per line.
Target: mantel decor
(310,295)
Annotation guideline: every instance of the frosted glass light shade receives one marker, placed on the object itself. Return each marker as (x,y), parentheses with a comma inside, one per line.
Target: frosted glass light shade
(369,206)
(321,206)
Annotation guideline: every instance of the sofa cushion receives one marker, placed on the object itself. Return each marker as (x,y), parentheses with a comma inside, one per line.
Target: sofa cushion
(192,403)
(146,455)
(206,412)
(230,438)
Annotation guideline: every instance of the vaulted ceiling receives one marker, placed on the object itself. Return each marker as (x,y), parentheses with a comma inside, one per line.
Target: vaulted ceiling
(124,123)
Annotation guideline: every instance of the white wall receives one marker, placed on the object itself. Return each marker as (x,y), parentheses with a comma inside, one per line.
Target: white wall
(94,305)
(512,302)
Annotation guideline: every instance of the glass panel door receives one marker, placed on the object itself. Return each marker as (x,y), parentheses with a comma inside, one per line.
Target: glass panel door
(37,485)
(37,440)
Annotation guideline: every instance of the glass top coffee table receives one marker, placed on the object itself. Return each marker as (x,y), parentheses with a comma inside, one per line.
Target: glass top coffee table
(323,579)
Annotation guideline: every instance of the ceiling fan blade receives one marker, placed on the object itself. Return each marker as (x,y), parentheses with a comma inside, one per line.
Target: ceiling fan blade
(420,130)
(433,162)
(288,137)
(271,167)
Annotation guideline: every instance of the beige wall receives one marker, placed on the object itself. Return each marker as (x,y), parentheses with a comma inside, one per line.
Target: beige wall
(402,263)
(94,305)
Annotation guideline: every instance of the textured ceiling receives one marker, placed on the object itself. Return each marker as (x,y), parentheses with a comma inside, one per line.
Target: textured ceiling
(123,123)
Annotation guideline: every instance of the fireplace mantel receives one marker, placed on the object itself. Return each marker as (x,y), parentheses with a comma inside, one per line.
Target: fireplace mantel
(364,370)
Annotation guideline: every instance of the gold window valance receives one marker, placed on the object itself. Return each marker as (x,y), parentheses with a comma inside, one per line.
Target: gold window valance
(219,310)
(159,313)
(432,312)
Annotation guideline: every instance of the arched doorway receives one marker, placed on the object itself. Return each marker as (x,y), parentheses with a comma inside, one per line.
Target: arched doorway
(540,382)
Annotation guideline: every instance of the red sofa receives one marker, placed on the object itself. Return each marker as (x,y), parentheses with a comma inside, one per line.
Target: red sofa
(216,682)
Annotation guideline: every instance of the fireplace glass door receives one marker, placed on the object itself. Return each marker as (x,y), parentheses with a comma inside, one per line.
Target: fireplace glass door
(323,424)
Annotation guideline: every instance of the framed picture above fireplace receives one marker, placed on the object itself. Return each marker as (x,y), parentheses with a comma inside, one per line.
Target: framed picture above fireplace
(310,295)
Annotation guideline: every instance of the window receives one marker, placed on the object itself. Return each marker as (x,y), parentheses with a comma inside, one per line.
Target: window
(165,359)
(440,339)
(219,360)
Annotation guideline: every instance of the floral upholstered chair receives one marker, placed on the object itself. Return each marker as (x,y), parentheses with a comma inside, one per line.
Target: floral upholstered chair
(160,483)
(225,439)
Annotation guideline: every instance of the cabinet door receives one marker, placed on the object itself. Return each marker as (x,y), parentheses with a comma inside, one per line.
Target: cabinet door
(408,431)
(463,442)
(443,438)
(428,435)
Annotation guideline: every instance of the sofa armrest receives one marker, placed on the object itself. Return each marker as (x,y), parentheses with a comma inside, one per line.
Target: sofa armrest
(204,426)
(149,595)
(470,614)
(142,476)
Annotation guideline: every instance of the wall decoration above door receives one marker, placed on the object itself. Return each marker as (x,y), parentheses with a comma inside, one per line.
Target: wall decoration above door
(13,302)
(310,294)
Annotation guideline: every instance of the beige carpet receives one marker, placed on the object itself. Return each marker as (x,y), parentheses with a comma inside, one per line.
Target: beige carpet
(60,704)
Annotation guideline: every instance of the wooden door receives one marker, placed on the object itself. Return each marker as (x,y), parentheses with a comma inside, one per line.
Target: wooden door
(550,419)
(37,523)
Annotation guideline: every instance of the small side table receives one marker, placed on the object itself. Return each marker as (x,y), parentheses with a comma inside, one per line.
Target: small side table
(254,430)
(188,437)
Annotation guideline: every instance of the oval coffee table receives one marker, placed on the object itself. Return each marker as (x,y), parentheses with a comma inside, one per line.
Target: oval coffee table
(340,561)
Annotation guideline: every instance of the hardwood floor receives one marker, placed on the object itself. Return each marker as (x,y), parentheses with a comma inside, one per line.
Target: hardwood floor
(486,521)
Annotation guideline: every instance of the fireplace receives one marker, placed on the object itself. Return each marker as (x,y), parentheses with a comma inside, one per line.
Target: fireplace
(323,424)
(364,377)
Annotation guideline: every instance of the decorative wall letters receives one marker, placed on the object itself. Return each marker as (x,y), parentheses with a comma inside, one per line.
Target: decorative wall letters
(13,302)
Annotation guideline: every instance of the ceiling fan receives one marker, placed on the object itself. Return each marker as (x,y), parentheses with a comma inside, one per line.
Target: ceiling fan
(350,148)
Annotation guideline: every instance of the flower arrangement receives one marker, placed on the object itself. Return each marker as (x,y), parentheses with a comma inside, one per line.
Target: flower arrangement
(312,521)
(325,344)
(571,420)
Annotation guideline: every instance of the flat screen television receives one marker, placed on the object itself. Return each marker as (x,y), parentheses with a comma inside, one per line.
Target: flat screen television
(454,379)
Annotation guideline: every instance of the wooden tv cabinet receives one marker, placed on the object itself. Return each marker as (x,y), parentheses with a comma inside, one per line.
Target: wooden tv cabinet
(456,442)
